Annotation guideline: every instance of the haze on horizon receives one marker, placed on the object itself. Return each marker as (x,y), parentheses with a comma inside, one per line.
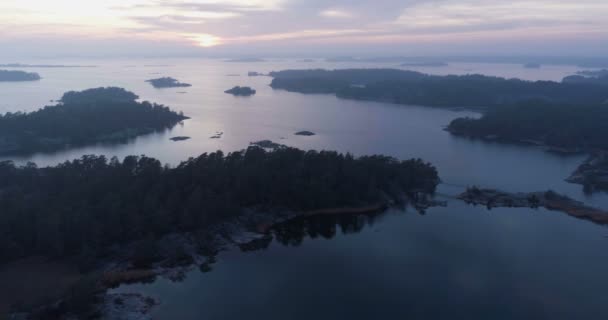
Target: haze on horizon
(97,28)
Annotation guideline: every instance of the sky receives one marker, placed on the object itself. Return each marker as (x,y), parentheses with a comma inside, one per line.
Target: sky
(55,28)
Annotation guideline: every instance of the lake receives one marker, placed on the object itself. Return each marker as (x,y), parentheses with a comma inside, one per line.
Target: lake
(454,262)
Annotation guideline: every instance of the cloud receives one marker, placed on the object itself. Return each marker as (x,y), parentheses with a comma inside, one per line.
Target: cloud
(493,14)
(287,22)
(333,13)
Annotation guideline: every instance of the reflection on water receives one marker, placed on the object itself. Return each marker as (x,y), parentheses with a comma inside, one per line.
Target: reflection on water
(458,262)
(293,232)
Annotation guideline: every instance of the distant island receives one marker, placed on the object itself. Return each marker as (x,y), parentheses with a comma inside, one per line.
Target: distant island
(547,199)
(304,133)
(102,115)
(167,82)
(17,76)
(245,60)
(241,91)
(409,87)
(425,64)
(21,65)
(255,74)
(179,138)
(127,220)
(532,65)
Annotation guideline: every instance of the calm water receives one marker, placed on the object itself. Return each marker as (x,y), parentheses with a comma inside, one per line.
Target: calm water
(454,262)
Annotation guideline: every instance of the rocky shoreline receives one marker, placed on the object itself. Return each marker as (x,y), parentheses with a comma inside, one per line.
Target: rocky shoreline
(593,173)
(548,199)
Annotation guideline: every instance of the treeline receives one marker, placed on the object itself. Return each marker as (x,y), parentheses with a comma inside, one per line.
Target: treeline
(408,87)
(10,75)
(84,206)
(90,116)
(572,127)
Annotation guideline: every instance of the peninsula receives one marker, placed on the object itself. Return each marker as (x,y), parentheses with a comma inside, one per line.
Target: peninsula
(101,115)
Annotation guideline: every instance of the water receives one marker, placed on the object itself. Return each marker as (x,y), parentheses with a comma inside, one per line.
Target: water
(455,262)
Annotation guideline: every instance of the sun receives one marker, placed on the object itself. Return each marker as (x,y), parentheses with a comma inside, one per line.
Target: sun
(208,41)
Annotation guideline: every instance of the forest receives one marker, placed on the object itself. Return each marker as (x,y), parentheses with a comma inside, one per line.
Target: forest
(409,87)
(581,127)
(84,206)
(101,115)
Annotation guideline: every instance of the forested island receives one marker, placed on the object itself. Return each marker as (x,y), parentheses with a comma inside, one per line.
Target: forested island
(167,82)
(241,91)
(8,75)
(104,213)
(409,87)
(101,115)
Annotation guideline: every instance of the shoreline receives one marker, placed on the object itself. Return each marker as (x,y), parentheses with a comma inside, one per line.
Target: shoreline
(197,250)
(549,200)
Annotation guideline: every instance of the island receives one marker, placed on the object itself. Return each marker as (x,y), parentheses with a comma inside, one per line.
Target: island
(409,87)
(304,133)
(599,77)
(179,138)
(255,74)
(134,219)
(167,82)
(241,91)
(101,115)
(22,65)
(548,199)
(17,76)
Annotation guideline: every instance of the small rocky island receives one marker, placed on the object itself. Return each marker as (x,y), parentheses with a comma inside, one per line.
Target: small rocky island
(167,82)
(241,91)
(304,133)
(102,115)
(17,76)
(548,199)
(179,138)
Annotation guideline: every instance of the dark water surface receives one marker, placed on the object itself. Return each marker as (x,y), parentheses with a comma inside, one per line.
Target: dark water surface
(458,262)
